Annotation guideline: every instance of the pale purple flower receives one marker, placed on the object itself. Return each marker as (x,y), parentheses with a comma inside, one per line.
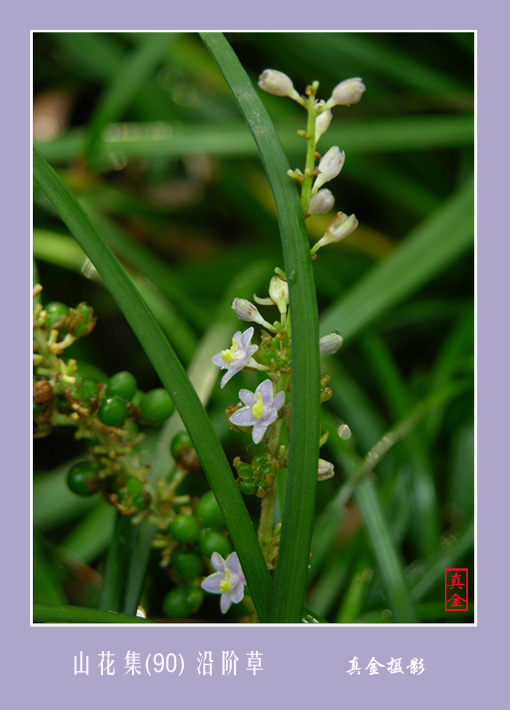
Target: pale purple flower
(237,357)
(228,580)
(261,409)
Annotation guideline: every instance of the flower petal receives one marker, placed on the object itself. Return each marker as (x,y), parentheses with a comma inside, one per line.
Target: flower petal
(217,360)
(243,417)
(278,400)
(259,429)
(247,397)
(237,593)
(246,337)
(233,565)
(212,582)
(266,390)
(225,602)
(218,562)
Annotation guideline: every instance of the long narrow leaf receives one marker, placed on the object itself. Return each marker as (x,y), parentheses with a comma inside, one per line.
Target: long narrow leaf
(291,573)
(231,139)
(173,377)
(425,253)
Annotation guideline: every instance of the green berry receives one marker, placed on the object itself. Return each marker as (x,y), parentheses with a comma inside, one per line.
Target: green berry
(245,471)
(187,563)
(123,384)
(87,390)
(185,528)
(214,541)
(83,478)
(156,406)
(56,315)
(258,460)
(142,500)
(180,602)
(181,444)
(248,488)
(266,470)
(80,320)
(134,486)
(195,598)
(138,396)
(113,411)
(208,511)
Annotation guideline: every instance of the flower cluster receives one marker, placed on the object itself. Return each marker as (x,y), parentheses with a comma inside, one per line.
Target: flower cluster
(264,411)
(315,199)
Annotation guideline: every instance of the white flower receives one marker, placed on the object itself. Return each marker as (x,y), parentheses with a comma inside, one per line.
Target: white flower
(279,293)
(325,470)
(339,228)
(228,580)
(322,202)
(260,410)
(237,357)
(329,167)
(322,122)
(277,83)
(347,92)
(330,344)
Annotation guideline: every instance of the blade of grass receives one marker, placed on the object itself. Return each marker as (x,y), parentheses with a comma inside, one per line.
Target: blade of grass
(62,250)
(92,535)
(451,556)
(385,552)
(422,255)
(101,56)
(291,572)
(48,614)
(231,139)
(173,377)
(126,84)
(46,587)
(424,499)
(203,375)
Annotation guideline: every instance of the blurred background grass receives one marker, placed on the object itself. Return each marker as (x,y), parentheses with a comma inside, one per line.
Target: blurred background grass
(145,133)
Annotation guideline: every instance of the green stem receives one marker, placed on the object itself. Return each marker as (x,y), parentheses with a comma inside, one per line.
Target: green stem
(265,533)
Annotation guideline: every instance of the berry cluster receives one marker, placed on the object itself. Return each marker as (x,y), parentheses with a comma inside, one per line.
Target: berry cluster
(112,416)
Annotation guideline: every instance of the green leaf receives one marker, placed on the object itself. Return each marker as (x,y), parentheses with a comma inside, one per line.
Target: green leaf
(422,255)
(173,377)
(126,84)
(291,572)
(48,614)
(232,140)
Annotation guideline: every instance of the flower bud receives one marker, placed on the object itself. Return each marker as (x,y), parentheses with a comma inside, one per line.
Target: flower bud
(277,83)
(322,202)
(322,122)
(346,93)
(330,166)
(248,312)
(330,344)
(325,470)
(339,228)
(279,293)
